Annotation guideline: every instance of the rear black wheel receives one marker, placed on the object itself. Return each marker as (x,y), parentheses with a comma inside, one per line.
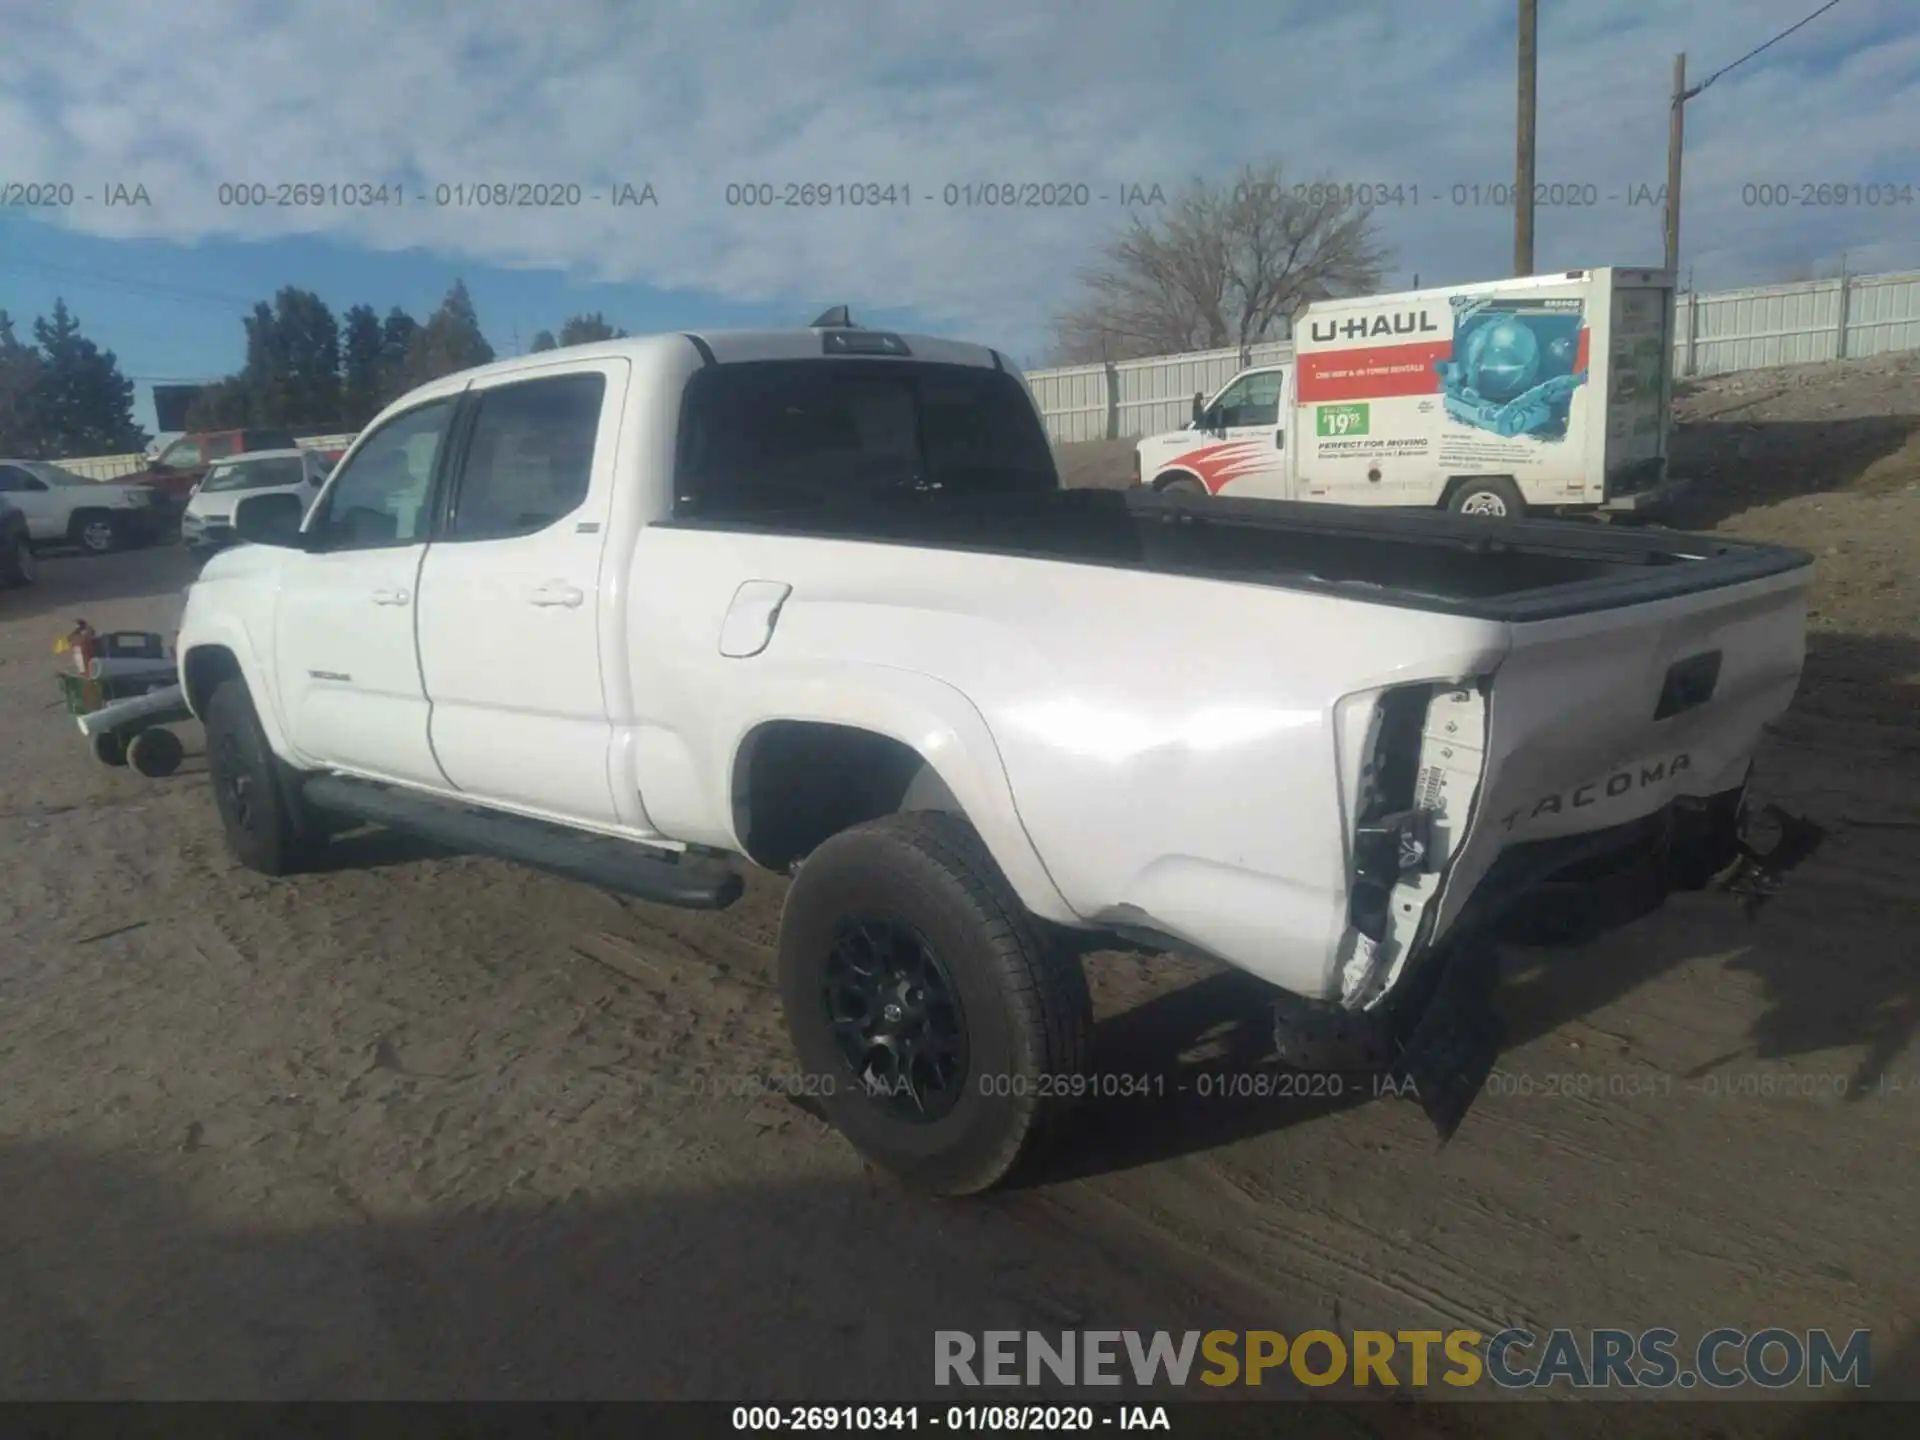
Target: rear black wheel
(109,749)
(260,809)
(939,1028)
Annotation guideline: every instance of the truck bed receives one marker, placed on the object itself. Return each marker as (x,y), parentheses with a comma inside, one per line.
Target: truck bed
(1473,566)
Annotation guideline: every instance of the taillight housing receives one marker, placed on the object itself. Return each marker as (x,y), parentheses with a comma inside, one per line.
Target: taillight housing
(1393,833)
(1415,780)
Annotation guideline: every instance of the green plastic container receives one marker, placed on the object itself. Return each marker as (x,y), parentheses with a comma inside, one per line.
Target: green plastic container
(83,696)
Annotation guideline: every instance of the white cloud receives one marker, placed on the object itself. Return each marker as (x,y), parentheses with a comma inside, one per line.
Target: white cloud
(692,96)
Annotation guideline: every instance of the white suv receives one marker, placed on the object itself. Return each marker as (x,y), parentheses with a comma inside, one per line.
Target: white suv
(63,508)
(207,525)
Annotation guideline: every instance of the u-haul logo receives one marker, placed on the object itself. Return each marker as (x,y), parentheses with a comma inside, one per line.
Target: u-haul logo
(1621,782)
(1400,322)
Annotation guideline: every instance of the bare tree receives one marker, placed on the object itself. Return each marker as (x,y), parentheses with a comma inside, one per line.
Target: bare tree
(1230,265)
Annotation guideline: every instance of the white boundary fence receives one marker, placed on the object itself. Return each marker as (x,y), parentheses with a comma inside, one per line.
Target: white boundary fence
(1714,334)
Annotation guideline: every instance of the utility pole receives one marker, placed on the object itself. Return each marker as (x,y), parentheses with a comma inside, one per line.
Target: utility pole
(1523,139)
(1676,125)
(1676,141)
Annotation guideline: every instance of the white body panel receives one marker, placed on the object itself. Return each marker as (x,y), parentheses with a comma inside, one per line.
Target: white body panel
(539,599)
(1138,750)
(347,663)
(1559,383)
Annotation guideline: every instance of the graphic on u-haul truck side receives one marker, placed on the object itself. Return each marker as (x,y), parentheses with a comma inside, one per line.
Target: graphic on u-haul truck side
(1514,366)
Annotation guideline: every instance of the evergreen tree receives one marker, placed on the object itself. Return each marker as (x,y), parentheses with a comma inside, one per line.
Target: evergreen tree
(544,341)
(293,360)
(19,394)
(585,329)
(361,391)
(397,333)
(448,342)
(84,404)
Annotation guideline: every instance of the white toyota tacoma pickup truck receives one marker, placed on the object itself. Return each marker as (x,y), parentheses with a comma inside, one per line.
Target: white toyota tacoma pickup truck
(816,599)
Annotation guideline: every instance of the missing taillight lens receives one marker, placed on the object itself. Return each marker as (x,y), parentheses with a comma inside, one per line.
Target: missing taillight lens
(1393,836)
(1393,767)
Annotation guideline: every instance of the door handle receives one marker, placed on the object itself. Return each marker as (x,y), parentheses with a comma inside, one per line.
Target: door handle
(1279,439)
(391,597)
(557,592)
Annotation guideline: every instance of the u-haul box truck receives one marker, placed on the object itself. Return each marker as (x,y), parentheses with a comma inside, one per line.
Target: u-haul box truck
(1543,393)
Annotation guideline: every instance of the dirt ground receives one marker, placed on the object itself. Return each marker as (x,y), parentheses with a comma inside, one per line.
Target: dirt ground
(429,1125)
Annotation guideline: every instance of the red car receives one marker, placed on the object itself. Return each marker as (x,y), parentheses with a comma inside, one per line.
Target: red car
(183,464)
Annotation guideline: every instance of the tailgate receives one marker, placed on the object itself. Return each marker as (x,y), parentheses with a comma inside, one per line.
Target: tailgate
(1596,720)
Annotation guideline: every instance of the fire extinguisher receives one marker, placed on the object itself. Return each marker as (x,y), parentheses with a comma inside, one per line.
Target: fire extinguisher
(83,643)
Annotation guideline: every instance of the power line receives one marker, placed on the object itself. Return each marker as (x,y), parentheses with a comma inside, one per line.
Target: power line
(156,289)
(1758,48)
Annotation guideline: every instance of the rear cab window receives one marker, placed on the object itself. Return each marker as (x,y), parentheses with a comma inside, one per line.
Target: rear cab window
(762,437)
(182,455)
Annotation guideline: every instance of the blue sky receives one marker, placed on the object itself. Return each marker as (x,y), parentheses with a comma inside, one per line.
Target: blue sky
(690,97)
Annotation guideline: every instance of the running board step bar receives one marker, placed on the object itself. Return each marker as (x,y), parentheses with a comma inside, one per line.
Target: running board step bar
(663,877)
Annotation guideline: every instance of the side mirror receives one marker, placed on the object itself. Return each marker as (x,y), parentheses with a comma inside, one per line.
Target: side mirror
(1199,409)
(270,520)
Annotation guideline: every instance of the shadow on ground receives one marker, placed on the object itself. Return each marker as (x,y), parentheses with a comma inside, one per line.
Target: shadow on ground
(67,584)
(1741,465)
(114,1285)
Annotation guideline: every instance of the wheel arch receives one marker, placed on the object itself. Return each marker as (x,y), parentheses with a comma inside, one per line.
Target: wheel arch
(1176,474)
(205,664)
(802,772)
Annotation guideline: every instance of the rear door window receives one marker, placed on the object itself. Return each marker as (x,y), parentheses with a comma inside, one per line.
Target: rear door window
(529,462)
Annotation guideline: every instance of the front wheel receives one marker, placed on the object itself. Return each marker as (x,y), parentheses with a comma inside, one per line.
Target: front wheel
(1181,485)
(16,564)
(1492,499)
(260,808)
(940,1030)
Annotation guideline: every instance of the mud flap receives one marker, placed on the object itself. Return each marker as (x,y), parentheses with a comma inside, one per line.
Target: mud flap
(1453,1045)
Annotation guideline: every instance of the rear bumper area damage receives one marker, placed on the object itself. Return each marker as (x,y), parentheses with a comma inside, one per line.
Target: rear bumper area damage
(1437,1032)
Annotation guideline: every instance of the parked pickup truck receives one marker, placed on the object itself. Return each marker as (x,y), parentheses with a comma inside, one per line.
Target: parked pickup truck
(816,599)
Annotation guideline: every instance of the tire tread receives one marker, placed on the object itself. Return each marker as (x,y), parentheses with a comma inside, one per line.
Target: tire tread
(1045,987)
